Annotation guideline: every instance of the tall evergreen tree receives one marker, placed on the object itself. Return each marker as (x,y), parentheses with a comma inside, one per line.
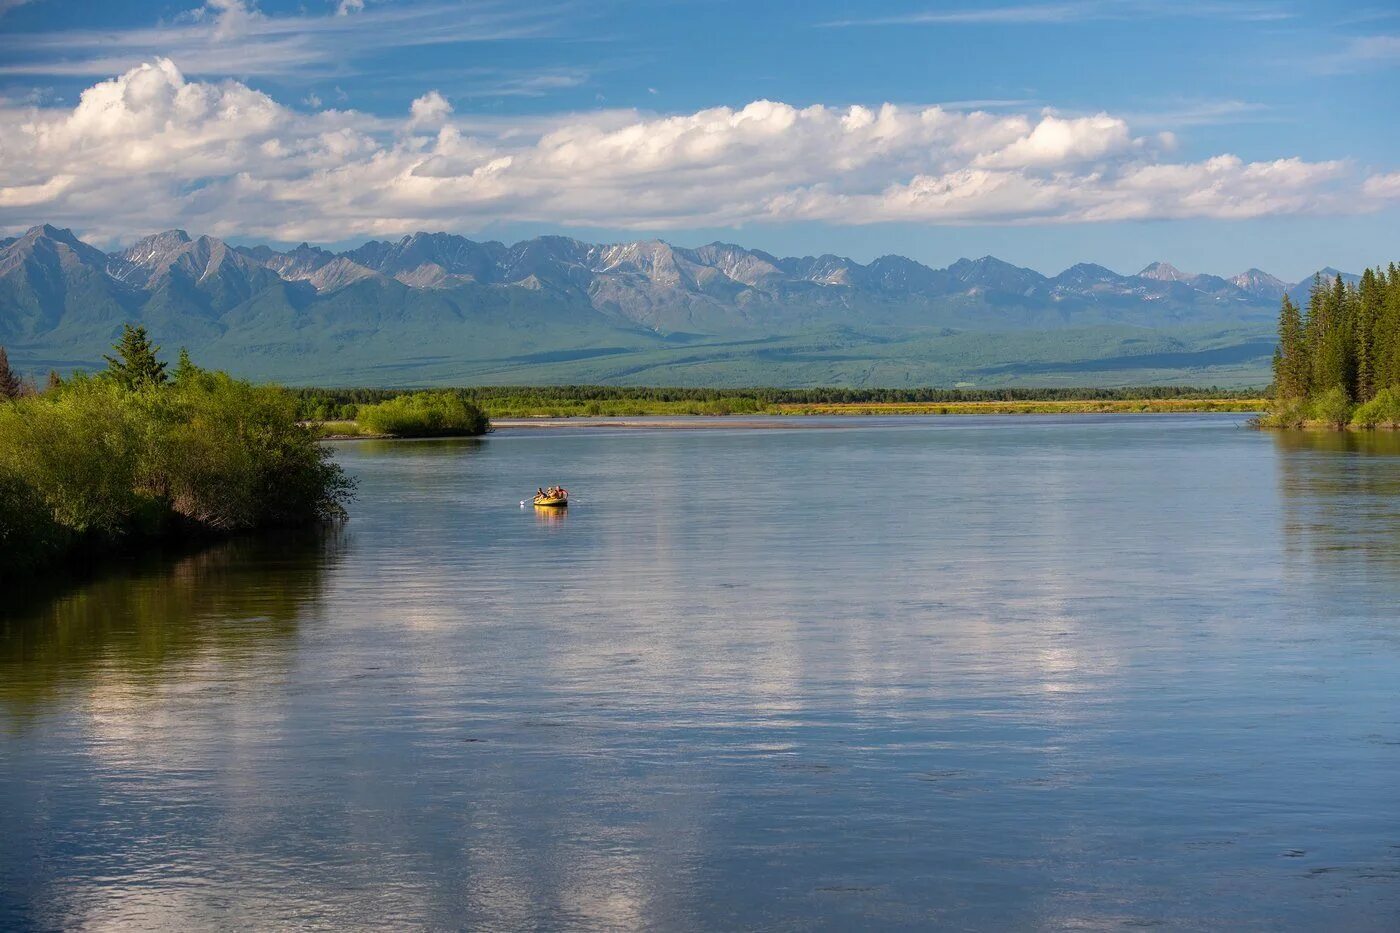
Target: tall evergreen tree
(1387,333)
(135,365)
(1292,367)
(1314,326)
(55,381)
(1328,335)
(1370,298)
(10,386)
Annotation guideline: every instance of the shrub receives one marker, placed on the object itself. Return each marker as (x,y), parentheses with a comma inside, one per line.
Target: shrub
(79,449)
(336,429)
(1332,408)
(1383,409)
(205,453)
(424,414)
(236,458)
(1285,413)
(30,539)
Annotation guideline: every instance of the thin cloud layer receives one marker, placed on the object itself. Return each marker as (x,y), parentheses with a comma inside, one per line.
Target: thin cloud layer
(152,148)
(232,37)
(1032,14)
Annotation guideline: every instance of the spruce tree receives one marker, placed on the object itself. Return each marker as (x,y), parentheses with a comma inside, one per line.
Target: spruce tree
(1291,365)
(185,370)
(1329,336)
(1368,314)
(1387,333)
(1314,326)
(55,381)
(135,365)
(10,386)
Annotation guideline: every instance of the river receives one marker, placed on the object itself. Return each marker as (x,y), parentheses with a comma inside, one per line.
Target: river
(967,672)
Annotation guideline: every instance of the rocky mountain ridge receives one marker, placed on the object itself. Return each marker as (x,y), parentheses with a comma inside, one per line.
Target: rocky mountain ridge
(719,270)
(441,296)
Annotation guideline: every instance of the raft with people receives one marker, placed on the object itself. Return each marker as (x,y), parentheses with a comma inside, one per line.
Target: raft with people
(555,497)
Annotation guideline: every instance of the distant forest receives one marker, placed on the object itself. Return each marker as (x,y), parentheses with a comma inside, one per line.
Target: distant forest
(343,404)
(1338,361)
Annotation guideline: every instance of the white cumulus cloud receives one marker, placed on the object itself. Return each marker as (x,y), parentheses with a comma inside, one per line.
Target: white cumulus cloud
(429,110)
(153,148)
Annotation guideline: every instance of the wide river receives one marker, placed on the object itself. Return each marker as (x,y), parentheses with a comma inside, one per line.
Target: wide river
(968,673)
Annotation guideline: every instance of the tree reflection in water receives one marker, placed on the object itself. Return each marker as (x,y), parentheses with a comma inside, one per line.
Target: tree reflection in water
(1341,497)
(138,624)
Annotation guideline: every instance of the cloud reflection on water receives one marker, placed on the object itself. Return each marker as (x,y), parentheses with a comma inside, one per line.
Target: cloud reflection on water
(1046,689)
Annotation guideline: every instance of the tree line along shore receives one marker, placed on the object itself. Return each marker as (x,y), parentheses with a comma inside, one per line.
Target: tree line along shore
(1338,360)
(341,411)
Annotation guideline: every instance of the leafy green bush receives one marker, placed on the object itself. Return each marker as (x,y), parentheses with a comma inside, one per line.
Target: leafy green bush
(79,449)
(1383,409)
(1285,413)
(424,414)
(236,458)
(1332,408)
(203,454)
(336,428)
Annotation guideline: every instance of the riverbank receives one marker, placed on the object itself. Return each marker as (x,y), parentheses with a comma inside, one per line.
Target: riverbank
(1326,427)
(1047,407)
(347,405)
(665,415)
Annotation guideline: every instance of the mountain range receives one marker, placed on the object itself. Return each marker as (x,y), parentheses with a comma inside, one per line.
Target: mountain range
(436,308)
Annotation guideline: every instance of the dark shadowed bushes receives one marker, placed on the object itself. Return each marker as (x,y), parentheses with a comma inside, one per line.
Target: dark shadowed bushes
(30,538)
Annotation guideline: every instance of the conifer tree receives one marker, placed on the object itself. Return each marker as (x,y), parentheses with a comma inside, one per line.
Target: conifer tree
(1328,335)
(10,386)
(1345,352)
(1291,365)
(1314,326)
(1387,334)
(1370,298)
(135,365)
(55,381)
(185,370)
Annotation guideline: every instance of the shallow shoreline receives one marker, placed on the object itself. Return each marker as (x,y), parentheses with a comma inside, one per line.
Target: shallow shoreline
(901,409)
(780,421)
(784,417)
(694,421)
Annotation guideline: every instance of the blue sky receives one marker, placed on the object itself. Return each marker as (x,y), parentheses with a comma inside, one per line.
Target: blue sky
(1044,133)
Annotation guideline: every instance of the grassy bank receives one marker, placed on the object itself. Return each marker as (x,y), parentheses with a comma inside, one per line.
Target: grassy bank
(345,408)
(1087,406)
(1335,411)
(132,457)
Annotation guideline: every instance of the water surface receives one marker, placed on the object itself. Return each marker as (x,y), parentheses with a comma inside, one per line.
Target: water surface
(978,673)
